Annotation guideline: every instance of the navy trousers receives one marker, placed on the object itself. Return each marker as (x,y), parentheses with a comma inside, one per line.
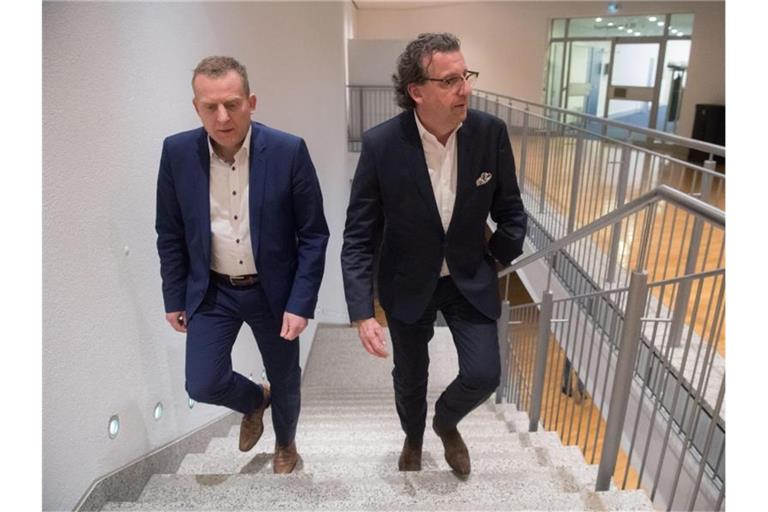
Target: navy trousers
(476,339)
(211,333)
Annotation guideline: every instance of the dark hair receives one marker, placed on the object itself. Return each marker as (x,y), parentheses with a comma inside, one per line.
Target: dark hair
(217,66)
(409,65)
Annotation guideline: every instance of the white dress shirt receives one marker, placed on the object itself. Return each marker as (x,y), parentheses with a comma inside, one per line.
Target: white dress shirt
(231,251)
(442,163)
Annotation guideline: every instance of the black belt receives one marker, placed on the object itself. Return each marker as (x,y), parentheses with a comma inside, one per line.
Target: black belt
(237,281)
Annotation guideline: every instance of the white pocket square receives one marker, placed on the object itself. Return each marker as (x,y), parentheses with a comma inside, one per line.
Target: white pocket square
(483,179)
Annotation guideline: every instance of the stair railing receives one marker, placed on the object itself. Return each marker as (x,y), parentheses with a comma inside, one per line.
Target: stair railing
(691,148)
(612,374)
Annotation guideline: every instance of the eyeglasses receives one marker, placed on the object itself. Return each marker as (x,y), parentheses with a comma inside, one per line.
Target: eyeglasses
(456,81)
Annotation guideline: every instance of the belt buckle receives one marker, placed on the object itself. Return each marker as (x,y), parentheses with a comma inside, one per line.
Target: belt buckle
(242,280)
(236,280)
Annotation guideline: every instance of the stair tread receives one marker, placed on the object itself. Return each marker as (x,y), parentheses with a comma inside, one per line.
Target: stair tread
(350,438)
(375,463)
(524,486)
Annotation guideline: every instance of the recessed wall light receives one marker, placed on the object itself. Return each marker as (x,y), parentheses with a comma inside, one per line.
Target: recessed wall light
(113,427)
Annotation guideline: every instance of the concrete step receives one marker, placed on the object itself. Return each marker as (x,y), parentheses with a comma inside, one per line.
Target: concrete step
(388,414)
(551,488)
(362,446)
(618,500)
(355,430)
(377,463)
(381,424)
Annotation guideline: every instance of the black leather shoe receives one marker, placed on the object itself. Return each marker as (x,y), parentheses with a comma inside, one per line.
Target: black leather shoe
(410,457)
(456,453)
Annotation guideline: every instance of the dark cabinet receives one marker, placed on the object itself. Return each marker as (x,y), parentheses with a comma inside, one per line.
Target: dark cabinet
(708,126)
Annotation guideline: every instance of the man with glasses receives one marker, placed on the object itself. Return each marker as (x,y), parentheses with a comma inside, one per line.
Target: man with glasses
(241,236)
(425,184)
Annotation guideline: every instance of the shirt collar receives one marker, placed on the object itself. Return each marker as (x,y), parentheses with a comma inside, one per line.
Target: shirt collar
(245,147)
(425,134)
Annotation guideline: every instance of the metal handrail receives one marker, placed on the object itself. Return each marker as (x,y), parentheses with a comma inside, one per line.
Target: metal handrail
(677,380)
(706,147)
(693,205)
(618,142)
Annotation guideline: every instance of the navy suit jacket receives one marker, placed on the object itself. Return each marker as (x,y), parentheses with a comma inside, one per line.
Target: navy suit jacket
(392,213)
(288,229)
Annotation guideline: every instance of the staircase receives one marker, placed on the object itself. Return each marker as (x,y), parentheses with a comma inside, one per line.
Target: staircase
(349,438)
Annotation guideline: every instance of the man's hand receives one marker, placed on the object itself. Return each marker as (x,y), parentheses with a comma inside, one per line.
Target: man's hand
(372,336)
(178,320)
(293,325)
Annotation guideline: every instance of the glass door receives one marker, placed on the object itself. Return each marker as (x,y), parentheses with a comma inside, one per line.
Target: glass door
(631,94)
(588,76)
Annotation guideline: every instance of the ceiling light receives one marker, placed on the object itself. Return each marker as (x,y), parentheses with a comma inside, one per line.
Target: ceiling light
(652,18)
(158,413)
(621,27)
(660,23)
(610,23)
(598,20)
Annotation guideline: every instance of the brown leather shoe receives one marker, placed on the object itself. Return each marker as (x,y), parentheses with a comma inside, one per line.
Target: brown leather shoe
(410,457)
(286,458)
(456,453)
(252,425)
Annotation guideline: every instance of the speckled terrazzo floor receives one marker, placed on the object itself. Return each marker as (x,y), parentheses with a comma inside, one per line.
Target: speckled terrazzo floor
(349,438)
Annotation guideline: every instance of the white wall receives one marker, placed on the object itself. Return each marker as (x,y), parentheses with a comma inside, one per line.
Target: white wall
(507,41)
(372,61)
(116,82)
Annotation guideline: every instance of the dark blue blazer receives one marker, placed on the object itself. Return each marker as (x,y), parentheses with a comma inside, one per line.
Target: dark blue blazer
(288,229)
(393,214)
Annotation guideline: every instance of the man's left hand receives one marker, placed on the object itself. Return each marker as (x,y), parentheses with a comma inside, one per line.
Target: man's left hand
(293,325)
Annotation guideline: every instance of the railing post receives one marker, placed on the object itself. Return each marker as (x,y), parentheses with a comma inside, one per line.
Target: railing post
(362,92)
(680,309)
(544,170)
(622,379)
(621,195)
(503,327)
(575,180)
(540,365)
(523,151)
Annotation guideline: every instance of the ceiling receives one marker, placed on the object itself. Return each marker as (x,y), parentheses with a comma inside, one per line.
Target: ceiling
(399,4)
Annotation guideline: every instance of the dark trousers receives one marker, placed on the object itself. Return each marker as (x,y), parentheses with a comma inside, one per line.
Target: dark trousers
(477,345)
(211,333)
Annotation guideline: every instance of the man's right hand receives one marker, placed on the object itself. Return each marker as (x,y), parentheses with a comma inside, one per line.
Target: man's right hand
(178,320)
(372,335)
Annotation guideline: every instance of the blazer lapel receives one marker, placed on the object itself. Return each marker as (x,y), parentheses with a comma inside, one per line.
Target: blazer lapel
(416,164)
(203,192)
(256,179)
(465,178)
